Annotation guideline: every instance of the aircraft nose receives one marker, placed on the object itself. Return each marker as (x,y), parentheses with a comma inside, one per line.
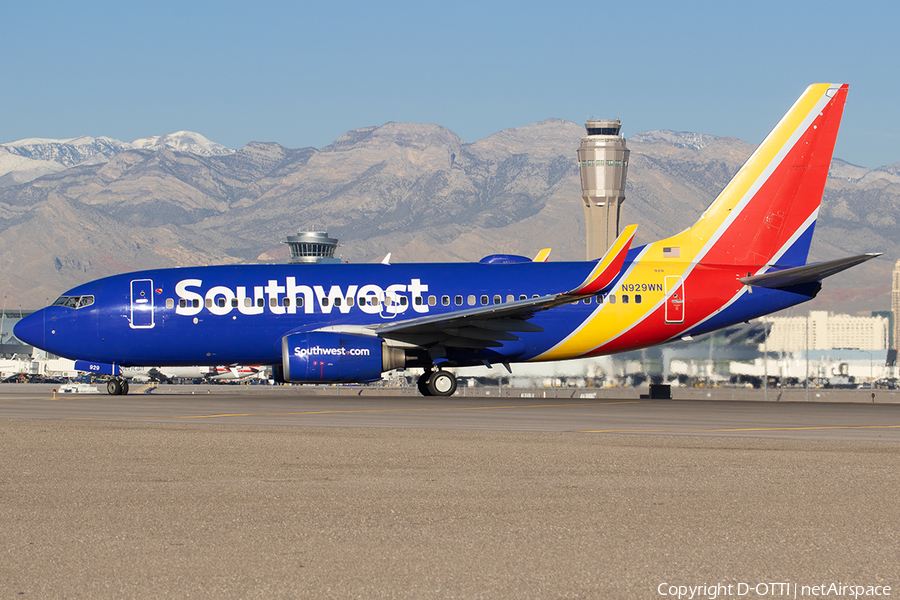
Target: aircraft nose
(31,329)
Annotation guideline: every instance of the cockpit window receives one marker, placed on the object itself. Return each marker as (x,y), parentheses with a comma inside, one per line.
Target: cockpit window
(74,301)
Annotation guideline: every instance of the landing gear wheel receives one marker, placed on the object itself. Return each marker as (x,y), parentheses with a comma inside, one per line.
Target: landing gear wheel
(117,386)
(442,383)
(422,383)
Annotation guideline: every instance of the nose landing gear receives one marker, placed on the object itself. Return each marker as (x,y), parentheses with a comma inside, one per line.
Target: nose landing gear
(437,383)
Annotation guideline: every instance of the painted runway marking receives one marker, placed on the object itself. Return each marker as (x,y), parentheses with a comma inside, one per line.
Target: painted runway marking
(732,430)
(391,410)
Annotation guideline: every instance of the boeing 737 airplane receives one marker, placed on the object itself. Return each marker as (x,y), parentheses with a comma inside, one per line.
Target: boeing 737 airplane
(745,257)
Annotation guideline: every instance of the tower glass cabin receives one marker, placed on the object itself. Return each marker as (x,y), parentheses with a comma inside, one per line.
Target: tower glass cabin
(603,164)
(312,247)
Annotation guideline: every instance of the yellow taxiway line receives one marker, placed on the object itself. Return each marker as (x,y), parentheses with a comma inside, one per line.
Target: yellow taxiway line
(389,410)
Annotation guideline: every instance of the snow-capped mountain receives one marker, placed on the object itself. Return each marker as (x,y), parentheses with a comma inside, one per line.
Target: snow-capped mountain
(25,160)
(679,139)
(183,141)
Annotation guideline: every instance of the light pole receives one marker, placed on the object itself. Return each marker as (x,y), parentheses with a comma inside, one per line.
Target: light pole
(871,365)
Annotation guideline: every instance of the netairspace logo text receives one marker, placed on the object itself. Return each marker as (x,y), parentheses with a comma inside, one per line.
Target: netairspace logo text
(772,590)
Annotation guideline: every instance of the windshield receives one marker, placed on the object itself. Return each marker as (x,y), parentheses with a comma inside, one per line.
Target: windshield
(74,301)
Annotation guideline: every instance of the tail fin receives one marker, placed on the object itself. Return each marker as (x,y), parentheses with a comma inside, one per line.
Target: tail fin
(767,213)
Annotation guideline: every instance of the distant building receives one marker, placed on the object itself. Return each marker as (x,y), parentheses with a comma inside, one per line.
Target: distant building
(603,164)
(895,306)
(889,315)
(824,331)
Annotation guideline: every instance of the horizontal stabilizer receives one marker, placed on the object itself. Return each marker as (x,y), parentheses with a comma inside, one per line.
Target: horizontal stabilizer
(807,273)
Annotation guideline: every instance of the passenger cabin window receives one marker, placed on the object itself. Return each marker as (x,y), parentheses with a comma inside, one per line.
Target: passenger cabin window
(261,302)
(624,298)
(418,300)
(471,300)
(510,297)
(484,300)
(220,302)
(637,298)
(234,303)
(170,303)
(457,300)
(209,303)
(432,300)
(497,300)
(612,298)
(445,300)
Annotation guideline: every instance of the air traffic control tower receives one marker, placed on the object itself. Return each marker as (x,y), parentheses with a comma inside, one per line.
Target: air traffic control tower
(603,163)
(312,247)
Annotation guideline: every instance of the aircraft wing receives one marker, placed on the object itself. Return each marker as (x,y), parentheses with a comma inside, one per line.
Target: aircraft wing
(805,274)
(489,326)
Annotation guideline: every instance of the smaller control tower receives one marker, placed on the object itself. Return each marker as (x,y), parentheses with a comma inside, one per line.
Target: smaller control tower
(603,163)
(312,247)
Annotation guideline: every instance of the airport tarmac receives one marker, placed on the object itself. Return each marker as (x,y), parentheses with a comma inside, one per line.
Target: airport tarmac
(280,494)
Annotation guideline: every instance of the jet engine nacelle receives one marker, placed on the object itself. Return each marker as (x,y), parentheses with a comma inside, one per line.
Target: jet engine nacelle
(336,357)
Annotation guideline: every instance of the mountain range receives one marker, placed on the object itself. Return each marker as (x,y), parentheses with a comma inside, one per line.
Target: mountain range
(75,210)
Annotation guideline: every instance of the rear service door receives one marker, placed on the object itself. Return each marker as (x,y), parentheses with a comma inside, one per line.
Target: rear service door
(674,300)
(142,304)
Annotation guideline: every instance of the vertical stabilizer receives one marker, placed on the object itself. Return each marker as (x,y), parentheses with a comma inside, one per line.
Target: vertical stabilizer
(767,213)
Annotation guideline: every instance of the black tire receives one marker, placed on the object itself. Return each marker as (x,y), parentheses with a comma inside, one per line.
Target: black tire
(422,383)
(113,387)
(124,386)
(442,383)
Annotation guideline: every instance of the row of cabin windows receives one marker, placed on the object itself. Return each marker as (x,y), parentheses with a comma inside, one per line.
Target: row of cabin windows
(601,163)
(286,301)
(497,299)
(471,300)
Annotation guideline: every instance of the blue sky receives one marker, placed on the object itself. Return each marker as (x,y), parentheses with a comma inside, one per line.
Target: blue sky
(303,73)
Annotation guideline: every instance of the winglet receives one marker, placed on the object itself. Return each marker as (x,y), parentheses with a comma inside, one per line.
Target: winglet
(387,259)
(609,266)
(542,256)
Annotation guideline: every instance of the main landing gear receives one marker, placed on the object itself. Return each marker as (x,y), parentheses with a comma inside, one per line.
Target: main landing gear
(437,383)
(117,386)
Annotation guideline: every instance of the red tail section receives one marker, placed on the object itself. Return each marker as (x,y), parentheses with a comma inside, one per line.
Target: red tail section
(767,214)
